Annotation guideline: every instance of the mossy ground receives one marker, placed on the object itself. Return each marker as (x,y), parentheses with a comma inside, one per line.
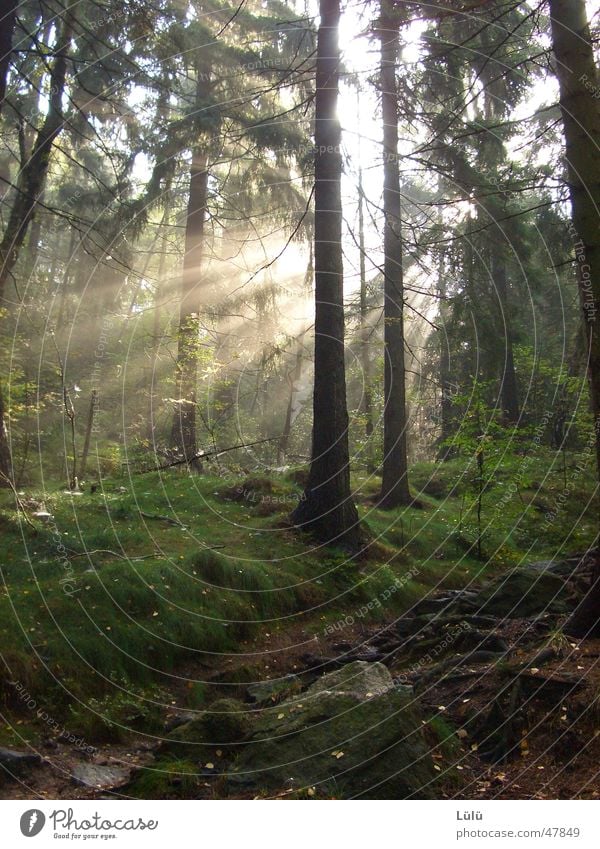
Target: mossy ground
(103,602)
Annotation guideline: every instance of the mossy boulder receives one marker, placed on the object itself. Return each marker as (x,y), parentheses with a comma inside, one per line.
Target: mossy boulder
(225,722)
(273,691)
(166,779)
(359,679)
(524,591)
(351,734)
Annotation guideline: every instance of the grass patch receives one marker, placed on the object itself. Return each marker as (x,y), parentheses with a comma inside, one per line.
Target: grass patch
(122,587)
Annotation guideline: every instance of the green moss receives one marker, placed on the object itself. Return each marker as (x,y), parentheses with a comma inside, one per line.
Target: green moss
(150,597)
(347,747)
(167,779)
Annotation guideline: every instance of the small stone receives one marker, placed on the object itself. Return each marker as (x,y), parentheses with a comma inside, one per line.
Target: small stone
(97,777)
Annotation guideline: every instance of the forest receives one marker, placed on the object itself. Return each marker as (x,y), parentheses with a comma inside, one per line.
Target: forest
(299,399)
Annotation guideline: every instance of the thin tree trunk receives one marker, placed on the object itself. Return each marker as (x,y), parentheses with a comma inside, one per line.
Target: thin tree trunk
(65,280)
(445,451)
(31,182)
(327,509)
(367,398)
(157,309)
(6,468)
(293,379)
(7,28)
(394,484)
(509,392)
(183,433)
(34,170)
(579,84)
(88,432)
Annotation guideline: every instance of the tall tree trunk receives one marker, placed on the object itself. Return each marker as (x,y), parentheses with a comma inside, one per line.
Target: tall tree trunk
(156,334)
(183,433)
(394,484)
(579,85)
(293,377)
(33,244)
(445,451)
(7,28)
(509,392)
(69,272)
(88,433)
(34,170)
(365,330)
(6,469)
(30,185)
(327,509)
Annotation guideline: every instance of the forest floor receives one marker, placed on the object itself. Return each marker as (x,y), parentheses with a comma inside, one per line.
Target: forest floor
(127,610)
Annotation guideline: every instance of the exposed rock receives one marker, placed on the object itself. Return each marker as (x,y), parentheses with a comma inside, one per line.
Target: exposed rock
(176,720)
(562,568)
(270,692)
(444,602)
(14,762)
(523,592)
(352,734)
(227,721)
(364,653)
(99,777)
(359,679)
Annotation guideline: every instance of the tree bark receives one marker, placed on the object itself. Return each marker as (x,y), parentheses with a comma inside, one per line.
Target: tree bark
(34,170)
(293,378)
(365,330)
(509,393)
(7,28)
(327,509)
(445,452)
(158,296)
(88,432)
(579,85)
(6,468)
(183,433)
(30,185)
(394,484)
